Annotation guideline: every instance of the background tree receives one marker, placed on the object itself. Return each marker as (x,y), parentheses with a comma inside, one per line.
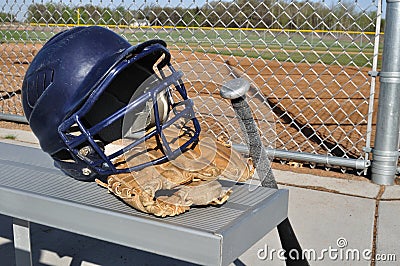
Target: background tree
(281,14)
(7,17)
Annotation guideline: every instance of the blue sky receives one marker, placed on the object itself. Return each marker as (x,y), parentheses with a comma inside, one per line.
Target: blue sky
(19,7)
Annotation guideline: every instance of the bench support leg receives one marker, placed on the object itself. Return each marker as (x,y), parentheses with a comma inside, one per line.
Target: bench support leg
(22,242)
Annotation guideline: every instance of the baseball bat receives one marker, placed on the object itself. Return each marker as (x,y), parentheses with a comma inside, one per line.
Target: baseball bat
(235,90)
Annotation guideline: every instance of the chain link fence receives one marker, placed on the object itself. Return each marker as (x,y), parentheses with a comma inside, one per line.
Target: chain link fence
(312,64)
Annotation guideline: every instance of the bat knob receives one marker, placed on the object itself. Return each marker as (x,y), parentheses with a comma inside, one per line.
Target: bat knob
(234,88)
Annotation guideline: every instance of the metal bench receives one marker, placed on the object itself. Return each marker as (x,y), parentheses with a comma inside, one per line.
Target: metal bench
(32,190)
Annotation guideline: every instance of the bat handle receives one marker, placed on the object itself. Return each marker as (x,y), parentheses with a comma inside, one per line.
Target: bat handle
(235,90)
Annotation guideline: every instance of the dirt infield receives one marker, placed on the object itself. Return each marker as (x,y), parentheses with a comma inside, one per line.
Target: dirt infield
(318,108)
(14,61)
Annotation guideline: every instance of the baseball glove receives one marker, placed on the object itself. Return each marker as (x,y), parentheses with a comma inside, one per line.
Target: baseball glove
(170,188)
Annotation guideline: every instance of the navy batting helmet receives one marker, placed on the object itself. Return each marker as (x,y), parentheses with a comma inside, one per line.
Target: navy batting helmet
(81,86)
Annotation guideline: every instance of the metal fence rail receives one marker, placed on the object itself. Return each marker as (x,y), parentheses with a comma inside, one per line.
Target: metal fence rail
(313,65)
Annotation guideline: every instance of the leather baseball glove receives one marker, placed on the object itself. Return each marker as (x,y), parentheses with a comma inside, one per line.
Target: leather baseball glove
(170,188)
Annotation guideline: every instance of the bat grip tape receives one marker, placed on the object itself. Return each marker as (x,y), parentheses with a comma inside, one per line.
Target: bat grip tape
(256,148)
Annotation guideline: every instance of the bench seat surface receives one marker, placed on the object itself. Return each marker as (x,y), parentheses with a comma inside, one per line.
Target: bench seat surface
(32,189)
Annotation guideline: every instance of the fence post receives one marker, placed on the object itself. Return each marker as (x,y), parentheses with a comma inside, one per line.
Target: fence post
(385,152)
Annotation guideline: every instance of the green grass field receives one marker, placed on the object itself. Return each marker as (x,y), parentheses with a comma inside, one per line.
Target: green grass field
(328,48)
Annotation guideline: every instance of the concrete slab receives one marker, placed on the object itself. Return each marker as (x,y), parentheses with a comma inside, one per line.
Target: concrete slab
(342,186)
(322,221)
(18,135)
(259,253)
(391,193)
(388,234)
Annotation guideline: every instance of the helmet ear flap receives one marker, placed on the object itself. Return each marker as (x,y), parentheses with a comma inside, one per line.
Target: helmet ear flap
(79,170)
(75,165)
(72,166)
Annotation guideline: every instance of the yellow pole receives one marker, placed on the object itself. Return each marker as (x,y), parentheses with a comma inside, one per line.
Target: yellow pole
(79,16)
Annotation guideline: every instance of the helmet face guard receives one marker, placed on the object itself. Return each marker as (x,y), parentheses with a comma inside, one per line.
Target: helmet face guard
(157,104)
